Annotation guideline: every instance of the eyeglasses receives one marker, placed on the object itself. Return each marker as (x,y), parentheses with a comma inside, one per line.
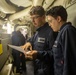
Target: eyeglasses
(50,21)
(35,17)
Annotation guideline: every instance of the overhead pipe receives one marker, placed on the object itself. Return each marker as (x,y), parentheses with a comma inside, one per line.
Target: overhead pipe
(6,8)
(19,14)
(37,2)
(48,3)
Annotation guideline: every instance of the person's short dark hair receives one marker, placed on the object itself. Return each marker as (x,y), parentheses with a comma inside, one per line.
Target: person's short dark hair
(58,11)
(37,10)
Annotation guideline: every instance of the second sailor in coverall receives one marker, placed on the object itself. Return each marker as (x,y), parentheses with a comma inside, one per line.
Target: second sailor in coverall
(64,48)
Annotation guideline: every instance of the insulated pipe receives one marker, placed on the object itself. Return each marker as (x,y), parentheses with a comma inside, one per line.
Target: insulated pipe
(19,14)
(6,8)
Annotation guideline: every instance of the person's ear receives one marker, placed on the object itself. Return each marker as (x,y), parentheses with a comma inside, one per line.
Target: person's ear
(59,19)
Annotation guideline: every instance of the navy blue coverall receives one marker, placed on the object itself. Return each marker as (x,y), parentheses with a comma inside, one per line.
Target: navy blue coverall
(64,50)
(18,40)
(43,41)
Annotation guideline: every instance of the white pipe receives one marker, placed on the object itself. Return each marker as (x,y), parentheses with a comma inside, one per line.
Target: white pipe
(19,14)
(37,2)
(6,8)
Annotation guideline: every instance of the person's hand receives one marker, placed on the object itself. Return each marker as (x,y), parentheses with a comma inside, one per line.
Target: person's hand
(31,54)
(28,55)
(27,46)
